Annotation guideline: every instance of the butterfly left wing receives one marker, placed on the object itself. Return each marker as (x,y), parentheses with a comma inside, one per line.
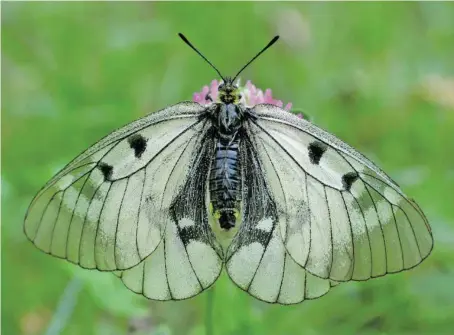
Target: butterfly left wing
(105,209)
(256,260)
(342,218)
(189,259)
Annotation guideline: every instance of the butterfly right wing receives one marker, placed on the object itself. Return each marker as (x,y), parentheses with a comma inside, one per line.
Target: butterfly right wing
(343,217)
(106,209)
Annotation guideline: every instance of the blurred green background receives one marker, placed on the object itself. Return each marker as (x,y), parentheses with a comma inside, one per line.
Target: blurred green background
(380,76)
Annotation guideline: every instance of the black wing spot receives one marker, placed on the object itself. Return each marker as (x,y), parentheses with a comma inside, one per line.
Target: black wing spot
(188,234)
(316,151)
(106,170)
(348,179)
(138,143)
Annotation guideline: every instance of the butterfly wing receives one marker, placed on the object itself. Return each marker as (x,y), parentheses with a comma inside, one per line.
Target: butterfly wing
(340,217)
(107,208)
(256,260)
(189,259)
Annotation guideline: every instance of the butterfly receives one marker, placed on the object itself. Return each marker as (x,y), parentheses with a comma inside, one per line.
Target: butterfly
(304,211)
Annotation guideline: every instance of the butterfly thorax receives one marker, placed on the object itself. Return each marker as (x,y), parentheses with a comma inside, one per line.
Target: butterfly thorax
(225,174)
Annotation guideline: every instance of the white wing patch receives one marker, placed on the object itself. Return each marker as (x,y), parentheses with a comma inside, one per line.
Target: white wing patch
(340,216)
(265,225)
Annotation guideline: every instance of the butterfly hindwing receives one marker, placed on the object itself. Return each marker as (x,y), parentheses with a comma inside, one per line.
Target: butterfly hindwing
(257,260)
(189,259)
(106,209)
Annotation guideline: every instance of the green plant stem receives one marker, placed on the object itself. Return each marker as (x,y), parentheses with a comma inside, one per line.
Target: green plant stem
(65,307)
(209,312)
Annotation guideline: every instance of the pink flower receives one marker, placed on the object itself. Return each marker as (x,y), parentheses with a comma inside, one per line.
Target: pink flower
(212,91)
(250,95)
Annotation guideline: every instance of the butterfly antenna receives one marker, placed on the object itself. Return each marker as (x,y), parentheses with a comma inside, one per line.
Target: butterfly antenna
(275,38)
(185,40)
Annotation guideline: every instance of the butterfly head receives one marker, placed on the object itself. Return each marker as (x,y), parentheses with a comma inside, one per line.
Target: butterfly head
(229,93)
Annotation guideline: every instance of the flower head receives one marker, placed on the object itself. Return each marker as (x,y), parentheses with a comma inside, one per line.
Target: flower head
(211,90)
(250,95)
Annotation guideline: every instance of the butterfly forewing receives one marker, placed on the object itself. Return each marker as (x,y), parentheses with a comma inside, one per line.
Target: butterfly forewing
(107,209)
(342,218)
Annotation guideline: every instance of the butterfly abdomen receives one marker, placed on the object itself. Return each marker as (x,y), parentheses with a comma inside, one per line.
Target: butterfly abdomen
(225,177)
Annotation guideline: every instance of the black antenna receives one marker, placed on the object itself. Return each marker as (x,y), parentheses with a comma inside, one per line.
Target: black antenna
(200,54)
(275,38)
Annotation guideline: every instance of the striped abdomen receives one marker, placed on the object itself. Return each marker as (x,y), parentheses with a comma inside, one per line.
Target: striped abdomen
(225,182)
